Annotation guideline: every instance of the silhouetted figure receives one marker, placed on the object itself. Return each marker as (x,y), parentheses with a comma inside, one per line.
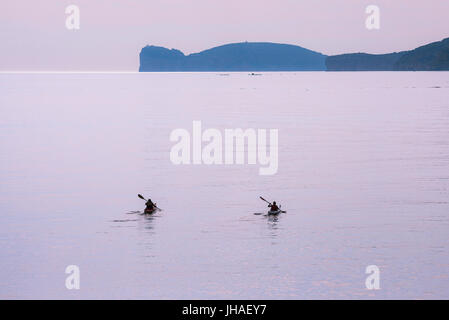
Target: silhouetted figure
(150,206)
(273,206)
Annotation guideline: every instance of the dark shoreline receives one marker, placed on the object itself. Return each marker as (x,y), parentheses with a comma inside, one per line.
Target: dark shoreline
(274,57)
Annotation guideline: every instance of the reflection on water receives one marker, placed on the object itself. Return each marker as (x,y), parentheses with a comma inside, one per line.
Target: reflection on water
(147,220)
(150,220)
(274,219)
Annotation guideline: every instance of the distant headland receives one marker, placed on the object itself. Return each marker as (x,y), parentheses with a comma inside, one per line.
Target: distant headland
(245,56)
(265,56)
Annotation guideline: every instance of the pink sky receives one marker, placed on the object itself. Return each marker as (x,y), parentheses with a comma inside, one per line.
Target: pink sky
(33,34)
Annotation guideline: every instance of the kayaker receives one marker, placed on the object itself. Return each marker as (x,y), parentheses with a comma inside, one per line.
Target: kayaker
(150,205)
(273,206)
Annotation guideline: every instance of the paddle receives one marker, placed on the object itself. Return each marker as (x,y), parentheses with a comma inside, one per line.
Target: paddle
(142,197)
(265,200)
(270,204)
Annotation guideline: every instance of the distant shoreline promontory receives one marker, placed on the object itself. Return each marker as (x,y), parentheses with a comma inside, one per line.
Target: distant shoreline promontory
(265,56)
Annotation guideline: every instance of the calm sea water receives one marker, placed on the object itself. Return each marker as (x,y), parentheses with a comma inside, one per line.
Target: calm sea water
(363,173)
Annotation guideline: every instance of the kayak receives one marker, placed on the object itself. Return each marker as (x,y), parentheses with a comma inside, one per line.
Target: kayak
(271,212)
(149,211)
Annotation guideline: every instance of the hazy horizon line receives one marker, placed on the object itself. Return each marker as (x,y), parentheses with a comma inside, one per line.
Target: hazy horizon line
(129,71)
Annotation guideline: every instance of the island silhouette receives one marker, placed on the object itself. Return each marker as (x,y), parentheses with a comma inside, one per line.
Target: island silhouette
(244,56)
(267,56)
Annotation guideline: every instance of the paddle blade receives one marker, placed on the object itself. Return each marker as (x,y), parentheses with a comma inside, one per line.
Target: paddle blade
(264,200)
(141,197)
